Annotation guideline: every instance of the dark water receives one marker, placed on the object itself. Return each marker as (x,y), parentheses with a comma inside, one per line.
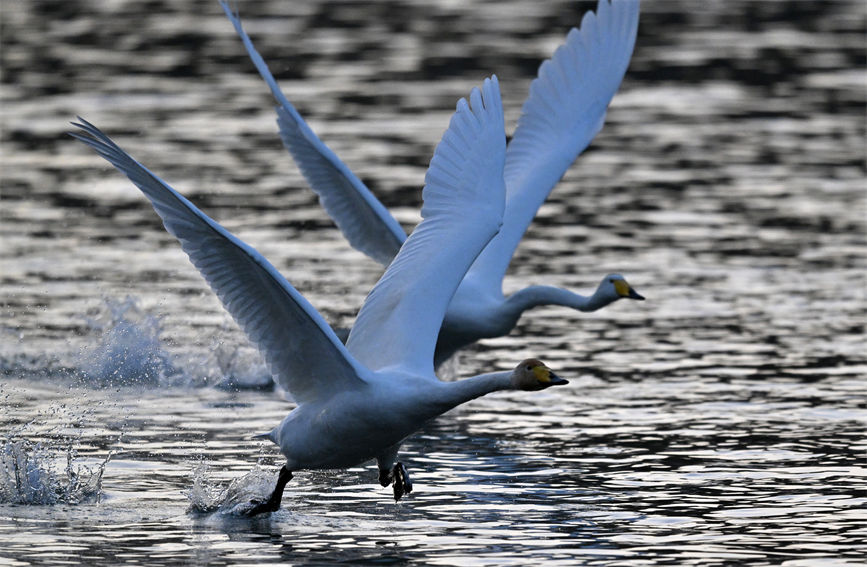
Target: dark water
(720,422)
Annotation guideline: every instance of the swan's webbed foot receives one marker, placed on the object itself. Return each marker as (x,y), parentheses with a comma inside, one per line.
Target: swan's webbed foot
(273,502)
(399,478)
(402,484)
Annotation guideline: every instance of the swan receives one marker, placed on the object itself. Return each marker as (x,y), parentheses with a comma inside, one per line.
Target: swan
(359,401)
(565,110)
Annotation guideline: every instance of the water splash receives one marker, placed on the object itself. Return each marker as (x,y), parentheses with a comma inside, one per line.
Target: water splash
(39,448)
(237,499)
(29,473)
(129,350)
(241,367)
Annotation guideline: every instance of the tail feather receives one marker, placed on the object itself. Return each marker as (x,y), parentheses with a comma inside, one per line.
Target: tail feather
(269,436)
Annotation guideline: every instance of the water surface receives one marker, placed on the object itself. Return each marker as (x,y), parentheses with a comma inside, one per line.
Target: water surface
(721,421)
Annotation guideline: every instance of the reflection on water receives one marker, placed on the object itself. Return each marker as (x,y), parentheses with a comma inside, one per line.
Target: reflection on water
(719,422)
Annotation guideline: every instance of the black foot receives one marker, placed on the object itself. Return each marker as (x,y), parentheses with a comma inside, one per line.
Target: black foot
(402,485)
(398,477)
(273,502)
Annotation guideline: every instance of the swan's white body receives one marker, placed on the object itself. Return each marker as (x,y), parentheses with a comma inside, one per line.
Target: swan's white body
(372,420)
(359,401)
(564,111)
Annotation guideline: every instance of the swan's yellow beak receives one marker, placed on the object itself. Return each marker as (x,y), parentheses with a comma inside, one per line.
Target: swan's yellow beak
(545,376)
(625,290)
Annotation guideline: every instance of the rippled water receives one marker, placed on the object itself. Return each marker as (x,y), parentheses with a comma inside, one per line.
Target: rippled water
(722,421)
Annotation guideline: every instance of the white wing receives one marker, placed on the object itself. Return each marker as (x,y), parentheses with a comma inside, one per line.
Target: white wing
(565,110)
(364,221)
(463,206)
(302,351)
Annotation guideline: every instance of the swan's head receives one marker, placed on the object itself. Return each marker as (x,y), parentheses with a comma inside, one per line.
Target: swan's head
(615,286)
(533,375)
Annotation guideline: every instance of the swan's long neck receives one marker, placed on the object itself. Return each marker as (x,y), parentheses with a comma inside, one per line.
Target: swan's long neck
(453,394)
(547,295)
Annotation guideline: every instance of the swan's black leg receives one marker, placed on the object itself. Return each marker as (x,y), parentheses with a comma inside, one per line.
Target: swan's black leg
(385,477)
(273,502)
(398,477)
(402,484)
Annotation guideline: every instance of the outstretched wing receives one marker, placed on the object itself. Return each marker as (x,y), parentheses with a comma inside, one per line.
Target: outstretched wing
(302,351)
(363,220)
(463,206)
(565,110)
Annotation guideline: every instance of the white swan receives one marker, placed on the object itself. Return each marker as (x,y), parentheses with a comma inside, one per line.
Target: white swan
(360,401)
(564,111)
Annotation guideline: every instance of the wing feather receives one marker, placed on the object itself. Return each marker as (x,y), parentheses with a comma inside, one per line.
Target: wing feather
(463,205)
(363,220)
(563,113)
(302,352)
